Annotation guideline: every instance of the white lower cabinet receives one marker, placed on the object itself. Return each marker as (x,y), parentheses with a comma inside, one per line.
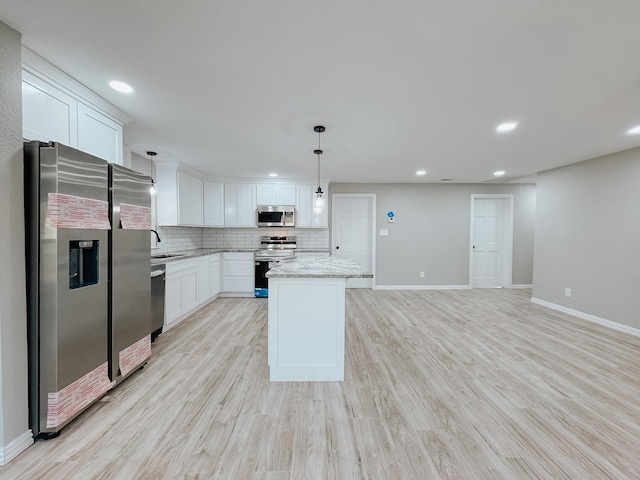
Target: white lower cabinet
(214,274)
(193,282)
(181,290)
(204,279)
(238,273)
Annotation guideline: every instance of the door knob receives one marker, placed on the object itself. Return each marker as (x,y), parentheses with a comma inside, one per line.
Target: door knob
(337,247)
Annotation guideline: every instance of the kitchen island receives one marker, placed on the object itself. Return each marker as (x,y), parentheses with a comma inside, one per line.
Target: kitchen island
(306,326)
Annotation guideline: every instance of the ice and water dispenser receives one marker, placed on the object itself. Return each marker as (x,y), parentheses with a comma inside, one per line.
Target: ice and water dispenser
(83,263)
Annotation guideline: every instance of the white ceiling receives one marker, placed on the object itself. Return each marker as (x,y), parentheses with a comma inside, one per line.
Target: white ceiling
(234,87)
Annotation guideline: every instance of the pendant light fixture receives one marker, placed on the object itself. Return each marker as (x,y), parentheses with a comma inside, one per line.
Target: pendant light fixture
(319,194)
(152,189)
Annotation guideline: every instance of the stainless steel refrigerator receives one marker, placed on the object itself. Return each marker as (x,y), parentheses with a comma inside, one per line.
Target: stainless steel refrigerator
(129,279)
(72,234)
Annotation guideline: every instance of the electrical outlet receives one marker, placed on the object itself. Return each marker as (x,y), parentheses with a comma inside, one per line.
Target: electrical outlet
(421,274)
(567,292)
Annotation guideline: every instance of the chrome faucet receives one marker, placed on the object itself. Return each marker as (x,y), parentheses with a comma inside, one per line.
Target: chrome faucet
(157,236)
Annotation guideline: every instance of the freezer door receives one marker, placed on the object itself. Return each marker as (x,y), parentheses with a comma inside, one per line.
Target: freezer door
(129,283)
(67,322)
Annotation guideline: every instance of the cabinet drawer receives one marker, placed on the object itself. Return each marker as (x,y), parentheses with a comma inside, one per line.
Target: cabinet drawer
(238,284)
(180,265)
(236,268)
(246,256)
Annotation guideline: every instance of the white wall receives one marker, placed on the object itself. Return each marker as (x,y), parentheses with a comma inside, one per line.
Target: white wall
(588,237)
(431,232)
(14,435)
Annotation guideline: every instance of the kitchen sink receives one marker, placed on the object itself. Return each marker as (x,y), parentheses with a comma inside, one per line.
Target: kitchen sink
(167,255)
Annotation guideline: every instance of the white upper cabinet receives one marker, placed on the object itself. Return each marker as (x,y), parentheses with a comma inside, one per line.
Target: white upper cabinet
(240,205)
(179,197)
(50,114)
(99,135)
(47,113)
(190,198)
(307,214)
(276,194)
(213,204)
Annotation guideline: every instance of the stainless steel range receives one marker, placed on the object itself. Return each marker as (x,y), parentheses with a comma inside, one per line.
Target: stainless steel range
(272,249)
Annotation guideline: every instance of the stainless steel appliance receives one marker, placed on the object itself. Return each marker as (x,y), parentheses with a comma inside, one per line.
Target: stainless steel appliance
(276,216)
(272,249)
(69,223)
(129,283)
(158,274)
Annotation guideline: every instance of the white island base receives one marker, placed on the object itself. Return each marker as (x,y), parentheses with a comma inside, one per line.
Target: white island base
(306,329)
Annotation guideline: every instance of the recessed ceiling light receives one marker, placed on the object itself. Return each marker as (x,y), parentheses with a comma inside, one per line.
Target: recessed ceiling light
(121,87)
(273,174)
(499,173)
(506,127)
(634,131)
(421,172)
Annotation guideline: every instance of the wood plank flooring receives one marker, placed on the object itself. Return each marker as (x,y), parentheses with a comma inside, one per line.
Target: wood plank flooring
(466,384)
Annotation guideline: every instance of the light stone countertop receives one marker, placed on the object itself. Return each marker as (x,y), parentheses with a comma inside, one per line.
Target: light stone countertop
(185,254)
(317,267)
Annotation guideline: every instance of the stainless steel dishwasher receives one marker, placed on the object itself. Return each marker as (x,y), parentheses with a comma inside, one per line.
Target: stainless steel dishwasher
(157,299)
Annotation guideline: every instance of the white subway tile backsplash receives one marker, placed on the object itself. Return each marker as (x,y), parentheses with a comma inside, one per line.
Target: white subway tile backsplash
(189,238)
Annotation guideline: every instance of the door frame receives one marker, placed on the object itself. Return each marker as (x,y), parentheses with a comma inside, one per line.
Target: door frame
(372,228)
(506,261)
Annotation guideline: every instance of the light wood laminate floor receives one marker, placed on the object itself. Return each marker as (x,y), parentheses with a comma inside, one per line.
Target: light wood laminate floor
(466,384)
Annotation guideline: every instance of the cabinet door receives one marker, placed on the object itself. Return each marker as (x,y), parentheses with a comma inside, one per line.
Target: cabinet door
(240,205)
(304,206)
(196,199)
(307,214)
(184,198)
(213,204)
(275,194)
(47,113)
(215,275)
(267,195)
(189,289)
(173,298)
(287,195)
(204,279)
(99,135)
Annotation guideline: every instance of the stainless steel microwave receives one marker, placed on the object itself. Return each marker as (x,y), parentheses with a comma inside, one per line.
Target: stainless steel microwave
(276,216)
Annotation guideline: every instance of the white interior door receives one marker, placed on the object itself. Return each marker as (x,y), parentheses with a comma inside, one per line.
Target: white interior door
(491,242)
(352,234)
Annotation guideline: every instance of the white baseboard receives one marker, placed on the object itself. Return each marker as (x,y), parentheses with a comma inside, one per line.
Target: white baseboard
(522,285)
(587,316)
(15,448)
(421,287)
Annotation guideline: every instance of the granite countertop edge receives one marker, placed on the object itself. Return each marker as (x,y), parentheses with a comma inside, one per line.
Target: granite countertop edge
(318,274)
(318,267)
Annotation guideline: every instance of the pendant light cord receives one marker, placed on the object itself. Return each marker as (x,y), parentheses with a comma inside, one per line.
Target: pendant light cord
(319,150)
